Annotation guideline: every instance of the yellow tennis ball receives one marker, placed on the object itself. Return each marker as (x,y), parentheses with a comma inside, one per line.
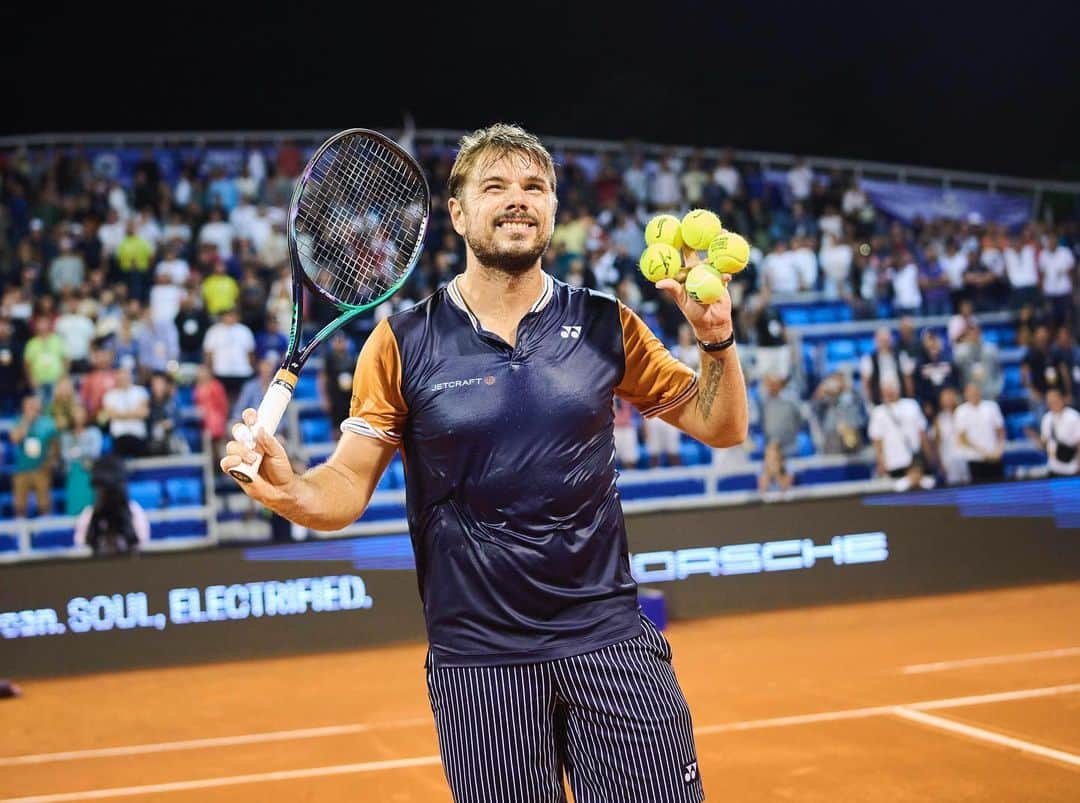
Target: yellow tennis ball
(698,227)
(729,252)
(660,261)
(704,285)
(664,229)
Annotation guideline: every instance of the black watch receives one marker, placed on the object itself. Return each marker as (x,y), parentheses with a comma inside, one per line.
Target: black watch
(719,345)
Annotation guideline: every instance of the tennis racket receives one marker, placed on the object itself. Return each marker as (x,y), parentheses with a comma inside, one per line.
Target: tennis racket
(356,229)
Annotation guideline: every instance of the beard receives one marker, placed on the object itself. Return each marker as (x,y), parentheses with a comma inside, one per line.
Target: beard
(514,258)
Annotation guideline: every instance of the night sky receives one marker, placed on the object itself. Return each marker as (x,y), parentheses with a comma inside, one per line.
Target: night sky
(965,85)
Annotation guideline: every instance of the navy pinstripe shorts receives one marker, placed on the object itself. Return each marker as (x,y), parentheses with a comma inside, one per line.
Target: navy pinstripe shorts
(615,720)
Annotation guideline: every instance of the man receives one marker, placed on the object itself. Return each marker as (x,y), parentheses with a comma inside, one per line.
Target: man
(35,437)
(540,660)
(336,378)
(979,361)
(898,431)
(1059,436)
(45,358)
(127,409)
(980,430)
(934,371)
(1041,369)
(781,416)
(229,352)
(885,364)
(1056,262)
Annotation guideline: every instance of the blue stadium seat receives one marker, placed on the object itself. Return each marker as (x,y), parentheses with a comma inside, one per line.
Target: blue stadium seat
(178,528)
(8,543)
(804,445)
(184,490)
(1014,383)
(307,386)
(737,482)
(60,538)
(841,349)
(185,396)
(315,429)
(147,493)
(1015,423)
(794,316)
(826,474)
(689,453)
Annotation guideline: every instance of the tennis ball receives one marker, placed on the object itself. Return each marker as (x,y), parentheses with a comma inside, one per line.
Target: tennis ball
(729,252)
(704,285)
(698,227)
(664,229)
(660,261)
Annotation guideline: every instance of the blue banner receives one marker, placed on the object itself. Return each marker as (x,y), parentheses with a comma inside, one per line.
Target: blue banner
(908,201)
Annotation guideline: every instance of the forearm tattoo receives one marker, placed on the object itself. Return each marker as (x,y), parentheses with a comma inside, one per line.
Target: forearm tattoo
(712,371)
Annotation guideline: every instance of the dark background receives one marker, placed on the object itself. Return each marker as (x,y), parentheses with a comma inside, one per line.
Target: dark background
(963,85)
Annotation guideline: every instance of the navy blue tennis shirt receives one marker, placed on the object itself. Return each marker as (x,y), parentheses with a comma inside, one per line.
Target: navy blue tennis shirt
(515,519)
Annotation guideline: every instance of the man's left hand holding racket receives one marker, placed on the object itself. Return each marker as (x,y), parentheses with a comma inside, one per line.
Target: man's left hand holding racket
(356,228)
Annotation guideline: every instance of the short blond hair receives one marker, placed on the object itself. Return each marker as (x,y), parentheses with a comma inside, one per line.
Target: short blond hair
(495,142)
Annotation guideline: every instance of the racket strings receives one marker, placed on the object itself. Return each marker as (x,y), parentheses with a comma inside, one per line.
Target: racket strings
(359,219)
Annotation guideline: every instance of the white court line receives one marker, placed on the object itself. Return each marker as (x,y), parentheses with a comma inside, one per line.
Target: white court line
(420,761)
(233,780)
(217,741)
(987,736)
(878,710)
(916,669)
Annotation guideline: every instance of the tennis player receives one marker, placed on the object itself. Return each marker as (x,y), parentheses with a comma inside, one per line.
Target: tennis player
(498,390)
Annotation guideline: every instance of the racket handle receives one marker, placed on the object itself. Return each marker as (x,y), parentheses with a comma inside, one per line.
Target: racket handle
(267,417)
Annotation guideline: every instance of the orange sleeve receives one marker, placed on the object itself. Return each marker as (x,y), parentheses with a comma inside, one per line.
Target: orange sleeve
(654,381)
(378,409)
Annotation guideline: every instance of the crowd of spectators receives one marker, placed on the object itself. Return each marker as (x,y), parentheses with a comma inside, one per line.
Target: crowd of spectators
(117,293)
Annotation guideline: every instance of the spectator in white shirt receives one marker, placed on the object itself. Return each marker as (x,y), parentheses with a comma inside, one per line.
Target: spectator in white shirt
(835,258)
(897,429)
(111,233)
(954,262)
(662,440)
(1060,436)
(636,180)
(127,408)
(77,331)
(854,200)
(229,350)
(800,180)
(980,431)
(726,175)
(1056,262)
(907,297)
(802,254)
(666,188)
(1022,271)
(176,229)
(173,266)
(218,232)
(951,458)
(779,270)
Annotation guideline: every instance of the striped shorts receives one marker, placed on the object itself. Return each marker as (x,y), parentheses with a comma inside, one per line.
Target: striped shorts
(614,720)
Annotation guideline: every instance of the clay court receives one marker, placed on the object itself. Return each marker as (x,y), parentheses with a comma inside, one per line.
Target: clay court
(970,696)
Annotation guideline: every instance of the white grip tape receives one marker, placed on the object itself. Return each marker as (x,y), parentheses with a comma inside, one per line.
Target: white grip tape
(267,417)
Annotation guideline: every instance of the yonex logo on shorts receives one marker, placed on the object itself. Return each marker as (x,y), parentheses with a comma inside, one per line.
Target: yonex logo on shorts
(571,331)
(690,773)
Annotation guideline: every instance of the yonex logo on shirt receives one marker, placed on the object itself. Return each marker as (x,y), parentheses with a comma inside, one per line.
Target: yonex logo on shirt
(571,331)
